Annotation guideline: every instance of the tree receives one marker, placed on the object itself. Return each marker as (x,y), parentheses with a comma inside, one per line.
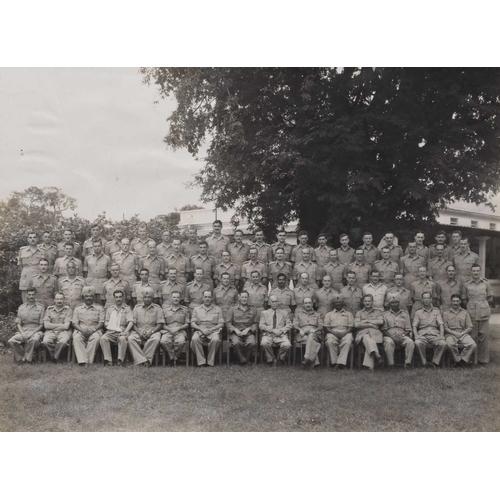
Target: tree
(191,207)
(340,149)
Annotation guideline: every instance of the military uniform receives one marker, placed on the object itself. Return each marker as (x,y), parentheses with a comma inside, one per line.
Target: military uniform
(352,298)
(85,345)
(110,286)
(387,270)
(145,318)
(463,264)
(445,289)
(140,247)
(461,325)
(207,317)
(409,268)
(271,320)
(404,297)
(287,250)
(77,249)
(371,253)
(423,251)
(72,290)
(88,246)
(56,340)
(116,322)
(322,255)
(362,272)
(340,340)
(427,322)
(173,343)
(476,293)
(250,266)
(417,288)
(397,331)
(60,266)
(346,256)
(179,262)
(166,289)
(216,246)
(275,268)
(194,294)
(396,252)
(257,297)
(324,300)
(264,252)
(189,249)
(312,269)
(112,247)
(225,298)
(286,298)
(45,286)
(300,293)
(296,256)
(337,272)
(238,253)
(378,292)
(165,250)
(97,268)
(139,289)
(206,263)
(242,318)
(231,269)
(129,265)
(51,255)
(454,250)
(155,265)
(436,268)
(28,259)
(30,317)
(312,324)
(371,336)
(447,253)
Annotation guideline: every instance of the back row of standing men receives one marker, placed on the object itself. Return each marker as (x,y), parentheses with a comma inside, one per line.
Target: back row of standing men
(320,273)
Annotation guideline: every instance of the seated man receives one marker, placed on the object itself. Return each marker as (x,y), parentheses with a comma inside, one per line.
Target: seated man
(29,324)
(457,329)
(88,320)
(397,331)
(428,330)
(207,322)
(275,324)
(174,333)
(119,322)
(368,322)
(241,325)
(338,326)
(57,322)
(309,327)
(148,321)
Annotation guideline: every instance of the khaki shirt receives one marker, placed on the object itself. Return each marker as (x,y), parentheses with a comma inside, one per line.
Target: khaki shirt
(110,286)
(176,317)
(60,266)
(72,290)
(409,267)
(194,293)
(297,253)
(233,270)
(285,297)
(216,246)
(339,319)
(457,320)
(139,289)
(387,269)
(88,246)
(463,264)
(423,251)
(283,322)
(454,250)
(257,295)
(304,319)
(112,247)
(88,316)
(30,316)
(396,325)
(378,292)
(140,247)
(179,262)
(352,298)
(225,297)
(312,269)
(322,255)
(324,298)
(124,312)
(445,289)
(447,253)
(364,315)
(337,272)
(189,249)
(58,316)
(166,289)
(208,317)
(206,263)
(287,250)
(404,297)
(238,253)
(241,318)
(165,250)
(264,252)
(45,286)
(148,317)
(372,254)
(97,268)
(362,272)
(301,293)
(29,259)
(249,267)
(476,293)
(129,264)
(346,256)
(417,288)
(51,255)
(436,269)
(282,267)
(428,322)
(155,265)
(77,249)
(396,252)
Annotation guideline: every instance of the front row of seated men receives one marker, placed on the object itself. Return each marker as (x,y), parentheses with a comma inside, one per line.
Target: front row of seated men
(148,325)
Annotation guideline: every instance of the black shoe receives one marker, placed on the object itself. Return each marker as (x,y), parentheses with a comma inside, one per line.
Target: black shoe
(171,362)
(408,366)
(119,363)
(108,363)
(379,361)
(392,368)
(243,363)
(275,362)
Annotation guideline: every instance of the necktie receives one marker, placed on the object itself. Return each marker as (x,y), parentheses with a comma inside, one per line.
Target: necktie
(274,320)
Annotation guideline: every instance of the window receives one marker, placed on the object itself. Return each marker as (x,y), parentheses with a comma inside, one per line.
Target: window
(453,221)
(473,223)
(493,226)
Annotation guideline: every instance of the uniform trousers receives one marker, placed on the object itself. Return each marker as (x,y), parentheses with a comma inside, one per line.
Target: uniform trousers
(24,345)
(243,346)
(113,337)
(199,340)
(439,345)
(370,347)
(55,342)
(269,341)
(313,345)
(464,342)
(334,344)
(173,343)
(86,346)
(390,343)
(141,355)
(481,335)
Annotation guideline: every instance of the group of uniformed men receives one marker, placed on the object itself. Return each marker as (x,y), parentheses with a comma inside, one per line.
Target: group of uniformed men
(138,295)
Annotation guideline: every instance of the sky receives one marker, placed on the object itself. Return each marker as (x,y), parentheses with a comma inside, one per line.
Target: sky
(96,134)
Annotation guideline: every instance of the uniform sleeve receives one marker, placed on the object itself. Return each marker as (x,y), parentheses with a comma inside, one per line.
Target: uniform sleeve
(108,263)
(107,316)
(86,264)
(134,293)
(101,315)
(157,291)
(407,320)
(128,315)
(489,292)
(468,321)
(135,317)
(237,272)
(67,317)
(385,326)
(416,320)
(439,318)
(217,273)
(160,318)
(194,316)
(296,321)
(46,316)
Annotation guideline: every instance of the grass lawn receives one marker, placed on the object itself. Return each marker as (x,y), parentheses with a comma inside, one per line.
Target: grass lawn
(255,398)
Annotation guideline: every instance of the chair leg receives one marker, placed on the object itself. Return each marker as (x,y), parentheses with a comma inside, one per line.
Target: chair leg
(352,356)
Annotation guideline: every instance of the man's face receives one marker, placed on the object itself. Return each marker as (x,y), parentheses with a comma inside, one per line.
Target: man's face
(175,298)
(304,279)
(67,235)
(226,258)
(192,235)
(359,255)
(464,246)
(455,302)
(71,269)
(147,298)
(306,255)
(115,271)
(368,302)
(255,278)
(198,275)
(440,239)
(144,276)
(142,231)
(88,298)
(426,299)
(46,238)
(225,280)
(367,239)
(394,305)
(281,282)
(333,255)
(31,297)
(337,303)
(32,239)
(280,255)
(374,278)
(253,254)
(327,281)
(118,234)
(398,280)
(59,300)
(43,266)
(165,236)
(238,237)
(344,241)
(455,238)
(68,250)
(118,299)
(351,279)
(440,250)
(450,272)
(259,236)
(172,275)
(303,239)
(308,304)
(422,273)
(412,248)
(203,249)
(176,245)
(97,247)
(386,253)
(274,303)
(281,237)
(389,239)
(217,228)
(322,241)
(476,272)
(94,231)
(125,245)
(151,249)
(419,239)
(244,299)
(207,298)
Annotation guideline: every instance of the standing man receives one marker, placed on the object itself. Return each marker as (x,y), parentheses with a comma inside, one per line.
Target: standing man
(171,285)
(29,324)
(154,264)
(264,251)
(242,326)
(325,296)
(336,270)
(403,294)
(376,289)
(174,333)
(253,265)
(225,295)
(207,323)
(308,267)
(322,251)
(57,322)
(148,321)
(417,289)
(397,332)
(297,249)
(275,324)
(195,289)
(257,294)
(395,250)
(128,262)
(238,250)
(88,245)
(446,288)
(50,249)
(279,266)
(285,296)
(69,237)
(139,245)
(61,263)
(302,291)
(205,262)
(457,329)
(178,260)
(44,283)
(113,284)
(360,267)
(345,252)
(428,331)
(421,249)
(165,248)
(440,240)
(217,242)
(464,260)
(371,252)
(368,322)
(189,247)
(478,297)
(281,243)
(96,269)
(88,321)
(410,262)
(119,322)
(338,326)
(28,258)
(456,236)
(72,287)
(144,285)
(386,267)
(226,266)
(436,267)
(352,295)
(115,245)
(309,329)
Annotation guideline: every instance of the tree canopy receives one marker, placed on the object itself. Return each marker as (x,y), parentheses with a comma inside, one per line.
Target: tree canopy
(338,148)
